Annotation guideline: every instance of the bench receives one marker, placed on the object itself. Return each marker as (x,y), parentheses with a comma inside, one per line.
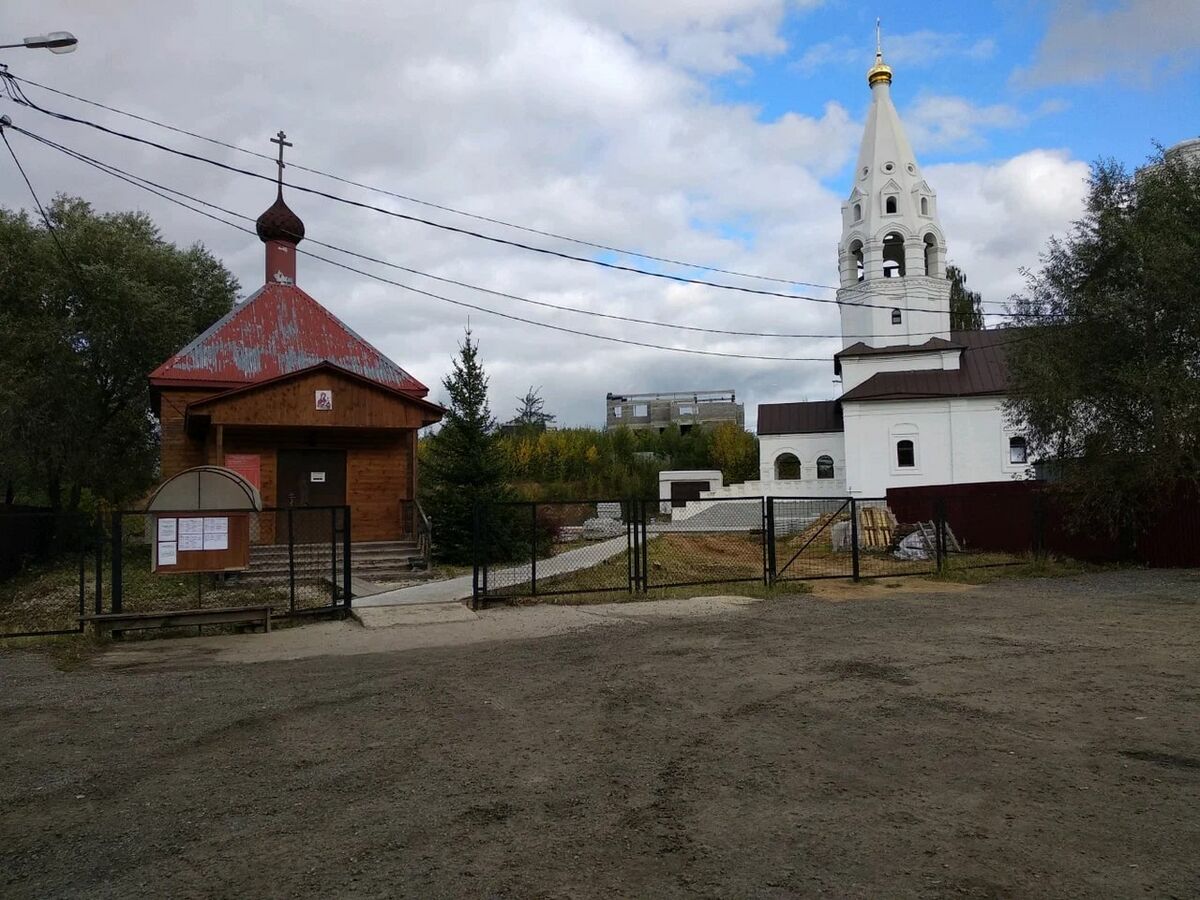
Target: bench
(226,615)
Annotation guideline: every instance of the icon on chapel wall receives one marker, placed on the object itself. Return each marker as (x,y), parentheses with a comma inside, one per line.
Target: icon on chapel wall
(324,399)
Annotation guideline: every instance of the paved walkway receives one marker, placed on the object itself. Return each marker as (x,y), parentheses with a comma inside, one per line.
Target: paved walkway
(455,590)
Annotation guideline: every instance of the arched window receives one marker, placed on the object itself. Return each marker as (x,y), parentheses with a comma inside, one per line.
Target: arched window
(787,467)
(889,205)
(930,255)
(906,455)
(1018,450)
(857,212)
(924,206)
(893,255)
(856,254)
(896,317)
(825,466)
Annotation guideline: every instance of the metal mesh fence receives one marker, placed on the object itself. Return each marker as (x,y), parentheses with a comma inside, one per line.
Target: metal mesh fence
(554,548)
(295,566)
(889,547)
(706,542)
(813,538)
(48,571)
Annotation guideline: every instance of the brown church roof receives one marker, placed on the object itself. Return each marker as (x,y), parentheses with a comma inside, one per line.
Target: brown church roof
(983,371)
(861,349)
(799,418)
(277,331)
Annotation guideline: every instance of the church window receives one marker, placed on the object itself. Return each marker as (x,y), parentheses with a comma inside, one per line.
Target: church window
(889,206)
(787,467)
(857,212)
(887,167)
(1018,450)
(893,255)
(924,206)
(930,255)
(825,466)
(906,455)
(856,254)
(897,318)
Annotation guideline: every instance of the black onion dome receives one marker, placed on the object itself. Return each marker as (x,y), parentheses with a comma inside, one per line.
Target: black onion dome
(279,223)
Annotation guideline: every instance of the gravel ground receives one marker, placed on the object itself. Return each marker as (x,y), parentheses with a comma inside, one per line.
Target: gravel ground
(1025,738)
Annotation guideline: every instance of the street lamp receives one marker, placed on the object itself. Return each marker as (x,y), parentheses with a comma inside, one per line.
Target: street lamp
(55,42)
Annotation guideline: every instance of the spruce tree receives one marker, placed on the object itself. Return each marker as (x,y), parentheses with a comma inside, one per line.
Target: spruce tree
(463,466)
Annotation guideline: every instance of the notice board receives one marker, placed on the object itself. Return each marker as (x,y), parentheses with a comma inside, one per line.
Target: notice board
(201,542)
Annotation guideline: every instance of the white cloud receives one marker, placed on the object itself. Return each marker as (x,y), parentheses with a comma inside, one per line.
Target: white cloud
(998,217)
(937,121)
(587,119)
(1135,42)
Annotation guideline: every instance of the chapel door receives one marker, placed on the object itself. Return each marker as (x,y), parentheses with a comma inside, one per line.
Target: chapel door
(311,478)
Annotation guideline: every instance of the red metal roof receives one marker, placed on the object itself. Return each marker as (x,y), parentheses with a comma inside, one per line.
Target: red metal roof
(277,331)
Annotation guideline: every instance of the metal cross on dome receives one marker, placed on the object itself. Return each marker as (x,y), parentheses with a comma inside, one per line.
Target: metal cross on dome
(282,141)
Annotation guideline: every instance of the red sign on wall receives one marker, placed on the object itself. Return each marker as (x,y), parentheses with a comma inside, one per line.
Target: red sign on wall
(248,465)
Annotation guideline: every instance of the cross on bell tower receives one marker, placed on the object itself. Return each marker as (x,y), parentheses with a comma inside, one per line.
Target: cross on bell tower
(280,228)
(282,141)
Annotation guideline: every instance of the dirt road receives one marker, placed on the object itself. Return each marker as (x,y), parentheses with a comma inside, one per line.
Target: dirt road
(1036,738)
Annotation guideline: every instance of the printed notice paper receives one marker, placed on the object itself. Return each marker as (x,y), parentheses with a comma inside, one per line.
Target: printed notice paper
(216,534)
(166,553)
(191,534)
(166,529)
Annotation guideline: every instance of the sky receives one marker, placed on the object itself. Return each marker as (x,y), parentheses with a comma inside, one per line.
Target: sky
(716,132)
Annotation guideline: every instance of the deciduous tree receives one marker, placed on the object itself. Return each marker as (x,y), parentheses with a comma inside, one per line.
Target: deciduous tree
(1106,376)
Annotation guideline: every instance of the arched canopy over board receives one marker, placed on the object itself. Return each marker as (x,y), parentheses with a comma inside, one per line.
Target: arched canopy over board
(206,487)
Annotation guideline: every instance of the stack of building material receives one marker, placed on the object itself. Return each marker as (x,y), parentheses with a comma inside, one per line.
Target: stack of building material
(876,525)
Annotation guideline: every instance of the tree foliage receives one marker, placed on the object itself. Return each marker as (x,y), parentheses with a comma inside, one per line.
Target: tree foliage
(1106,377)
(531,411)
(572,463)
(966,306)
(78,339)
(462,465)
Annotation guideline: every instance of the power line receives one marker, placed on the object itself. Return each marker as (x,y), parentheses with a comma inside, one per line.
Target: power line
(130,177)
(410,199)
(603,337)
(38,203)
(141,181)
(452,228)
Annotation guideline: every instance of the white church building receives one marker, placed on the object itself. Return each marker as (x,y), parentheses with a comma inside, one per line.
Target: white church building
(920,404)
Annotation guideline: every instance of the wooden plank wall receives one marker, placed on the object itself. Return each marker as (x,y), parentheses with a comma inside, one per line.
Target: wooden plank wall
(376,472)
(292,403)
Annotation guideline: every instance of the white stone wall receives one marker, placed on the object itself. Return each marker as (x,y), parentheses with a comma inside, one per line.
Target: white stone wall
(956,441)
(807,448)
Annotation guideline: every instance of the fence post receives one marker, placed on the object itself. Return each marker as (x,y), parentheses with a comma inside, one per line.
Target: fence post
(646,555)
(115,568)
(633,553)
(99,536)
(347,583)
(533,539)
(291,521)
(475,554)
(769,574)
(939,531)
(333,587)
(854,549)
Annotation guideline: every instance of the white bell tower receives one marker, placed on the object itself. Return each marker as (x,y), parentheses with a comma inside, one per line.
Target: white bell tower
(892,255)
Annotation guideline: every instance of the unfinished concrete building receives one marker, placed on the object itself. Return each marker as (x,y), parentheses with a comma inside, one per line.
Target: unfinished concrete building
(643,412)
